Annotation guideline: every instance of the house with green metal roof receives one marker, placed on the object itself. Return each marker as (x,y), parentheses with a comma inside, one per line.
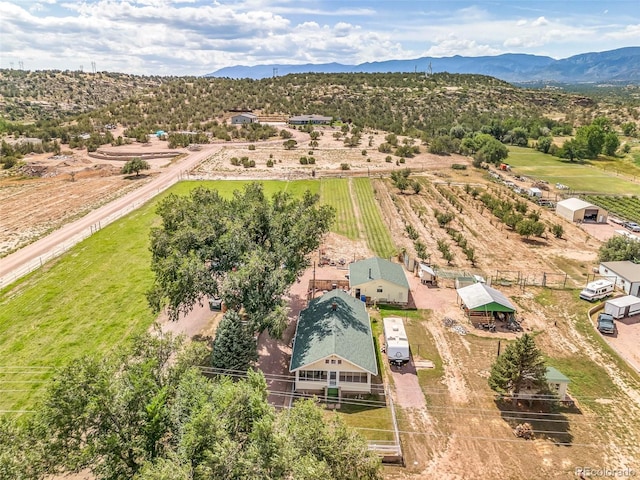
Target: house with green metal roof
(379,280)
(333,349)
(556,381)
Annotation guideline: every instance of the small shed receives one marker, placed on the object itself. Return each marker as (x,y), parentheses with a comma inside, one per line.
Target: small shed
(556,381)
(427,275)
(576,210)
(480,300)
(535,192)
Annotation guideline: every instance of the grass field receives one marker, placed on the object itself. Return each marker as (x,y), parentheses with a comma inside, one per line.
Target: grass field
(378,237)
(92,299)
(580,177)
(335,192)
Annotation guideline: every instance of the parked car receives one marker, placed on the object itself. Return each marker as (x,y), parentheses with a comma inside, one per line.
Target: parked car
(606,323)
(633,226)
(215,303)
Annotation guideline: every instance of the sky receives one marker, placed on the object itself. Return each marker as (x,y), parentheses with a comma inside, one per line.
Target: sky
(195,37)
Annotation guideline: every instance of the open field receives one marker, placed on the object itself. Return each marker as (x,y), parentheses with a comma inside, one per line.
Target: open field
(580,177)
(376,232)
(335,192)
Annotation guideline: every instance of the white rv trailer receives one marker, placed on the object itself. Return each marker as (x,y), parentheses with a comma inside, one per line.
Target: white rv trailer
(597,290)
(395,341)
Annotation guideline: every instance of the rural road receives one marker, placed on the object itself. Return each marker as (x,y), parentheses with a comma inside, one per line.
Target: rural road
(32,256)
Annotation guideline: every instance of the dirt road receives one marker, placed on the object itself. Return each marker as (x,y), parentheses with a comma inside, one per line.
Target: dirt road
(34,255)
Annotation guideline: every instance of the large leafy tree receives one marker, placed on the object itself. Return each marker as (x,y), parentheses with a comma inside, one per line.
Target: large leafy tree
(234,347)
(248,250)
(151,414)
(619,248)
(135,165)
(521,364)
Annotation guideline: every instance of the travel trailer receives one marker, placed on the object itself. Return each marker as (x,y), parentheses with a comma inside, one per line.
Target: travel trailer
(597,290)
(622,307)
(395,341)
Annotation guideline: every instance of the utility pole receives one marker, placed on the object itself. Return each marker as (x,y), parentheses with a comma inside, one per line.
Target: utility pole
(313,289)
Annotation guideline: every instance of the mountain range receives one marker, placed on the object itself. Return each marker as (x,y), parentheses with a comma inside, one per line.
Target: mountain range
(620,66)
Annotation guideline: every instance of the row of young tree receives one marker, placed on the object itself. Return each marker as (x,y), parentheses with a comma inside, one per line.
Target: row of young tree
(151,414)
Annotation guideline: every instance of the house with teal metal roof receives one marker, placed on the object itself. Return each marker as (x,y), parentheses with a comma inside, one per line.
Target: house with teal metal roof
(333,349)
(557,384)
(379,280)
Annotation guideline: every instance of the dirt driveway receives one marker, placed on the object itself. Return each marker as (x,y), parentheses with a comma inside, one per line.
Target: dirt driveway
(626,340)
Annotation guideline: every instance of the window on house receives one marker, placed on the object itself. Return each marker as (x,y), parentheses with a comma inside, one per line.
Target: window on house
(339,362)
(353,377)
(379,290)
(312,375)
(333,361)
(326,361)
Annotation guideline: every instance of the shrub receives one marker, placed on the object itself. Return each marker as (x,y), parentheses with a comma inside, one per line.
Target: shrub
(345,166)
(235,162)
(303,161)
(557,230)
(312,161)
(458,166)
(252,147)
(388,159)
(269,163)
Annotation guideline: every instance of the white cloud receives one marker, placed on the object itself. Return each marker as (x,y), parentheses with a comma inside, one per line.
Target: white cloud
(197,36)
(631,32)
(539,22)
(460,46)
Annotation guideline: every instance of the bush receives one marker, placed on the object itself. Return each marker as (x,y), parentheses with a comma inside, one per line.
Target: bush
(252,147)
(269,163)
(458,166)
(303,161)
(388,159)
(312,161)
(402,160)
(557,230)
(345,166)
(235,162)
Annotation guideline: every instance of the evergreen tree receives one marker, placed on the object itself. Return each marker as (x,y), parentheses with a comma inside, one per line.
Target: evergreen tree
(234,347)
(521,364)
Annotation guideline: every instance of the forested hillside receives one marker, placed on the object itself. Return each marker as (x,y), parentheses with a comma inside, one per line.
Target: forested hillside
(39,95)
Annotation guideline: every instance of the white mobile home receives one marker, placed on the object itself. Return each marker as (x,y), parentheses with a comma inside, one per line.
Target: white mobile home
(597,290)
(622,307)
(396,342)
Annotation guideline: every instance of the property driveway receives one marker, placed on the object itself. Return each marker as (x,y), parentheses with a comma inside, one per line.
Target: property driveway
(626,340)
(274,354)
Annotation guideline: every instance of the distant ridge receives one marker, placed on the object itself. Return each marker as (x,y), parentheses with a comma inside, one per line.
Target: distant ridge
(620,65)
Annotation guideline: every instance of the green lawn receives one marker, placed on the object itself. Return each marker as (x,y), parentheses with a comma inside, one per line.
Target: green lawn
(335,192)
(585,177)
(89,300)
(373,423)
(378,237)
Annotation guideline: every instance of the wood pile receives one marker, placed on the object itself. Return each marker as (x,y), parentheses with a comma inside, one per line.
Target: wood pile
(524,430)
